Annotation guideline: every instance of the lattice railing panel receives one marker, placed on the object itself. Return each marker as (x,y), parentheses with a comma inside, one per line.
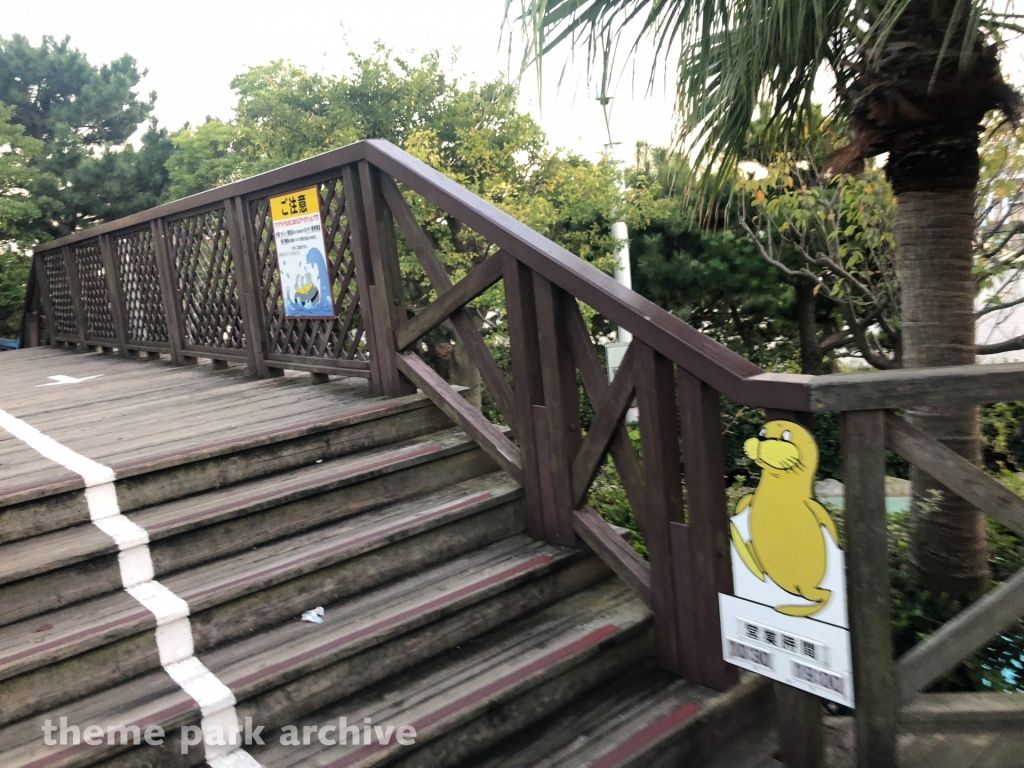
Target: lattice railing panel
(92,277)
(60,294)
(342,338)
(135,256)
(205,281)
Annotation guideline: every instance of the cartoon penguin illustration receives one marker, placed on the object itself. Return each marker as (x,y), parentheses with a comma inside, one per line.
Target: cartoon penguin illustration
(786,538)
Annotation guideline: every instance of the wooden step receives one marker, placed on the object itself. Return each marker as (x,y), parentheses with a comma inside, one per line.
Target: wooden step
(95,644)
(478,693)
(647,719)
(49,572)
(35,503)
(296,666)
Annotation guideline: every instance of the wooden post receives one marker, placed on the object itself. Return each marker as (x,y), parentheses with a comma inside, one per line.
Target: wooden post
(561,410)
(663,497)
(75,287)
(249,292)
(388,300)
(118,308)
(39,270)
(801,735)
(169,293)
(529,386)
(365,285)
(710,555)
(867,585)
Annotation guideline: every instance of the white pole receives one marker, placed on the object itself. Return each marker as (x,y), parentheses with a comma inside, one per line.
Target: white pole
(623,276)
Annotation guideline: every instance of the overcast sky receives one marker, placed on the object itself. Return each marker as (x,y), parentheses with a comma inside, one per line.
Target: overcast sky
(193,49)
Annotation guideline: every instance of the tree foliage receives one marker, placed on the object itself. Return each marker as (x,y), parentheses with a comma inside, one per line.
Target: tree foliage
(83,115)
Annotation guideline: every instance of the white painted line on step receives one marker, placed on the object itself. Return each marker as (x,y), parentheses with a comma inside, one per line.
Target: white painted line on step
(173,630)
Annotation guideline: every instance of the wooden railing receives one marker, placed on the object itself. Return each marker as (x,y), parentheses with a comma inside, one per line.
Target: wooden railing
(197,278)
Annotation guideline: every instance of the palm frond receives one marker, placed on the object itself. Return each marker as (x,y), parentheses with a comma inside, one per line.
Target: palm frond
(729,55)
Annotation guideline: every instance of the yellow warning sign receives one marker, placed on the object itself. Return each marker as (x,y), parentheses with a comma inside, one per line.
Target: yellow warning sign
(300,203)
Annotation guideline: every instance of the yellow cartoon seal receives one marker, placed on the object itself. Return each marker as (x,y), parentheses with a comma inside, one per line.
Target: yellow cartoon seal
(786,541)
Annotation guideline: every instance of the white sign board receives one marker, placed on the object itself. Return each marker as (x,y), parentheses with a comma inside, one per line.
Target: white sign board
(787,619)
(302,255)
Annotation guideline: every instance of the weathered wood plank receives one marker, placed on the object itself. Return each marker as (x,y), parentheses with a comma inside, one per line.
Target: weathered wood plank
(449,301)
(963,713)
(616,553)
(950,385)
(867,584)
(955,472)
(610,411)
(489,437)
(969,630)
(710,554)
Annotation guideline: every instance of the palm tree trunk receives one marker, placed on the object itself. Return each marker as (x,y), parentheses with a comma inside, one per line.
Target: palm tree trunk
(933,229)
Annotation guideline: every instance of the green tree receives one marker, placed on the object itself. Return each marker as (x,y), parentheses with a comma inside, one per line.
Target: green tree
(17,213)
(915,79)
(83,115)
(705,271)
(473,133)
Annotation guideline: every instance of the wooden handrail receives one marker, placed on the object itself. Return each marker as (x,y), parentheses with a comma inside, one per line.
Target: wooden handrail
(719,367)
(675,372)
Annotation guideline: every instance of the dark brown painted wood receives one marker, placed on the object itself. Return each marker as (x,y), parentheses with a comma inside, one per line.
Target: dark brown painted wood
(449,301)
(117,304)
(614,551)
(659,443)
(687,641)
(39,270)
(801,734)
(465,329)
(545,486)
(76,294)
(561,403)
(248,290)
(389,299)
(956,473)
(490,438)
(710,561)
(529,388)
(723,369)
(608,415)
(360,244)
(867,586)
(169,291)
(272,181)
(596,384)
(256,335)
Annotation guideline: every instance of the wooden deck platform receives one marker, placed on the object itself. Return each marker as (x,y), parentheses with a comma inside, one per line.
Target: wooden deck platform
(139,415)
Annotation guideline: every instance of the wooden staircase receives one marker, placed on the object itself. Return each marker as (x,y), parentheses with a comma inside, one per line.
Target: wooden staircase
(440,613)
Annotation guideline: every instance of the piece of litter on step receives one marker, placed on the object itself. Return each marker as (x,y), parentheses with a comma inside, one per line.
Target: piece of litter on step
(316,616)
(319,461)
